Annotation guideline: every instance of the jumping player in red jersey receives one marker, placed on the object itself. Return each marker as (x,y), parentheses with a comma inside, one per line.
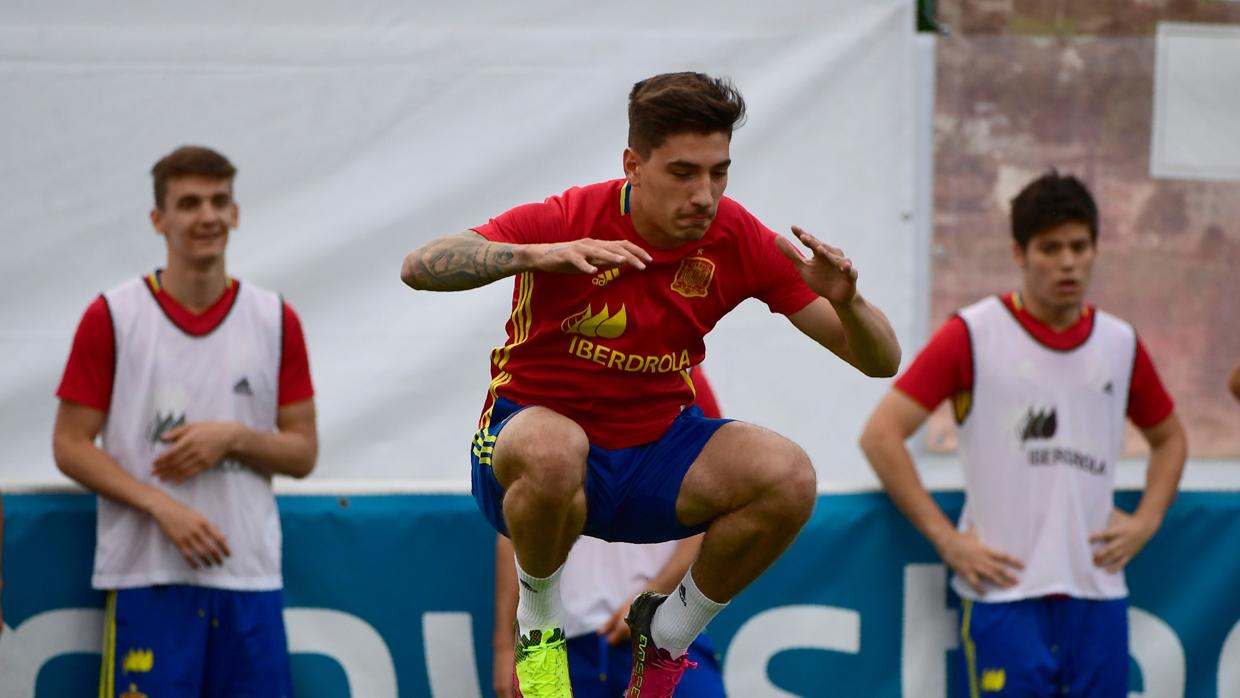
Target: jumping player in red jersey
(1041,383)
(584,429)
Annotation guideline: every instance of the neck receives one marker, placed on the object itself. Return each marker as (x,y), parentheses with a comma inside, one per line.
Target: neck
(195,288)
(1056,317)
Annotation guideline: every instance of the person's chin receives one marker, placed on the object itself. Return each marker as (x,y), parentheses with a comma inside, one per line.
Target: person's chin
(693,232)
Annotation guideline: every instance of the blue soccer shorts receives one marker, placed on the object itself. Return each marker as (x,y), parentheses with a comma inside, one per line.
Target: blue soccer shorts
(630,492)
(182,640)
(598,670)
(1048,646)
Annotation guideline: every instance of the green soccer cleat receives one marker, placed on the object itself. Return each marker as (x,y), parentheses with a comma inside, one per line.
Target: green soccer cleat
(542,665)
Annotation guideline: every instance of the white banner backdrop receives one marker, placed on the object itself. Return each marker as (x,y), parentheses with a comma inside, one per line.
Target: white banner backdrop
(362,130)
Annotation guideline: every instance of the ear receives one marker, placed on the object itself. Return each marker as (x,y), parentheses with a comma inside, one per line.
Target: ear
(234,217)
(1018,255)
(157,220)
(632,166)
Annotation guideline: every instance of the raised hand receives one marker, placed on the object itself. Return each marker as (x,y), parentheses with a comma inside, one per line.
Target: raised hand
(827,270)
(200,542)
(194,447)
(1124,537)
(979,563)
(587,256)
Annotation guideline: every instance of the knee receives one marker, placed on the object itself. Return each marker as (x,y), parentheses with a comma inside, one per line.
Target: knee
(545,459)
(794,485)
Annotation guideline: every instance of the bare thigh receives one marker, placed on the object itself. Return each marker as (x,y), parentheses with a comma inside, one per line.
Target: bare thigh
(739,465)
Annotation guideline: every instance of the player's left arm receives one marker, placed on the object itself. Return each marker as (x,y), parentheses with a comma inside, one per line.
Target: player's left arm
(290,450)
(1127,534)
(841,319)
(664,582)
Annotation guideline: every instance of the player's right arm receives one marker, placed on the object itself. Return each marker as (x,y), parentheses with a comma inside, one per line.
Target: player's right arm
(468,260)
(895,419)
(78,457)
(943,369)
(503,638)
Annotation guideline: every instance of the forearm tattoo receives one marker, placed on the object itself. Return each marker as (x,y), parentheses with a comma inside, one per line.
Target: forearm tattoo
(457,263)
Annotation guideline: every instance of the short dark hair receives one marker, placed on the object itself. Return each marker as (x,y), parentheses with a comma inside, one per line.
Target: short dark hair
(1049,201)
(672,103)
(189,161)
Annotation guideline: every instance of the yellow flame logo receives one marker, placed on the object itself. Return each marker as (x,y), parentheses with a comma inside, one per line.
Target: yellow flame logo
(603,324)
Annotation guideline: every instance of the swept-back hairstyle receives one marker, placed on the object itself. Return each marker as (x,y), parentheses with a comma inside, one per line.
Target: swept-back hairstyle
(189,161)
(672,103)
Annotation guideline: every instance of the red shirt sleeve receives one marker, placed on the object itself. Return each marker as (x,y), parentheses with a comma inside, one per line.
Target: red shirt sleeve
(704,395)
(1148,401)
(776,282)
(87,379)
(942,369)
(526,224)
(295,384)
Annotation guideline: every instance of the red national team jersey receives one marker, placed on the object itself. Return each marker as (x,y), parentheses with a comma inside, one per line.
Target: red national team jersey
(944,367)
(613,351)
(88,372)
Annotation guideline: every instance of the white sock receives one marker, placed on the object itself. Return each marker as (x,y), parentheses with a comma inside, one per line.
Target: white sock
(538,602)
(682,617)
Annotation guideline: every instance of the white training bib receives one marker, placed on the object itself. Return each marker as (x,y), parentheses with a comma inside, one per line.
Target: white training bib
(165,378)
(600,576)
(1039,446)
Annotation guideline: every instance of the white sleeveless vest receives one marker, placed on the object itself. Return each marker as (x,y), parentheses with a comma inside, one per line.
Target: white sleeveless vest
(600,576)
(163,378)
(1039,447)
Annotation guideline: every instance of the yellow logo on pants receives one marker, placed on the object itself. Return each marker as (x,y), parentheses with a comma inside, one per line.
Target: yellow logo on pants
(993,680)
(138,661)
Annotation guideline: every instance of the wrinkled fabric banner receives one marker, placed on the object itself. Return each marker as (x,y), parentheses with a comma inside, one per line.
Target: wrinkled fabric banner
(363,131)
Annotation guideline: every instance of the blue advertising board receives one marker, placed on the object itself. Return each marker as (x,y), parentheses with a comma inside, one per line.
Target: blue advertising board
(391,595)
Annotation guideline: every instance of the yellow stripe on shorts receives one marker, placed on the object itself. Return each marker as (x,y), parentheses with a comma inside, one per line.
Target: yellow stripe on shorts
(970,650)
(107,667)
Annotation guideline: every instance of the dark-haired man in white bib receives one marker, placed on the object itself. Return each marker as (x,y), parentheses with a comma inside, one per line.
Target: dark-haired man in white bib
(1041,384)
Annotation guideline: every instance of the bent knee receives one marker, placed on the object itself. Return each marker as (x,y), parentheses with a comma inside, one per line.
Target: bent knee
(544,450)
(795,483)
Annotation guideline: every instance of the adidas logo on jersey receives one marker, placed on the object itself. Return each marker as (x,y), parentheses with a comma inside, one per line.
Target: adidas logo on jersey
(243,387)
(604,278)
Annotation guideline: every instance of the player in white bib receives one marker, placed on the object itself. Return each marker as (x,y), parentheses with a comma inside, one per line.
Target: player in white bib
(199,388)
(1041,384)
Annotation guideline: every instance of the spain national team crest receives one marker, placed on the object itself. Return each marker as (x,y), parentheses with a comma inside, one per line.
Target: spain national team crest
(693,277)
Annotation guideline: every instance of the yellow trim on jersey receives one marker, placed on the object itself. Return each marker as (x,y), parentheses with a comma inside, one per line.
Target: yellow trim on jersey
(624,198)
(962,405)
(684,373)
(521,320)
(107,668)
(152,280)
(970,650)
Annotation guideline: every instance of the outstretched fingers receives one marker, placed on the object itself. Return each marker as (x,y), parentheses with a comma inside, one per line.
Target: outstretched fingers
(828,253)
